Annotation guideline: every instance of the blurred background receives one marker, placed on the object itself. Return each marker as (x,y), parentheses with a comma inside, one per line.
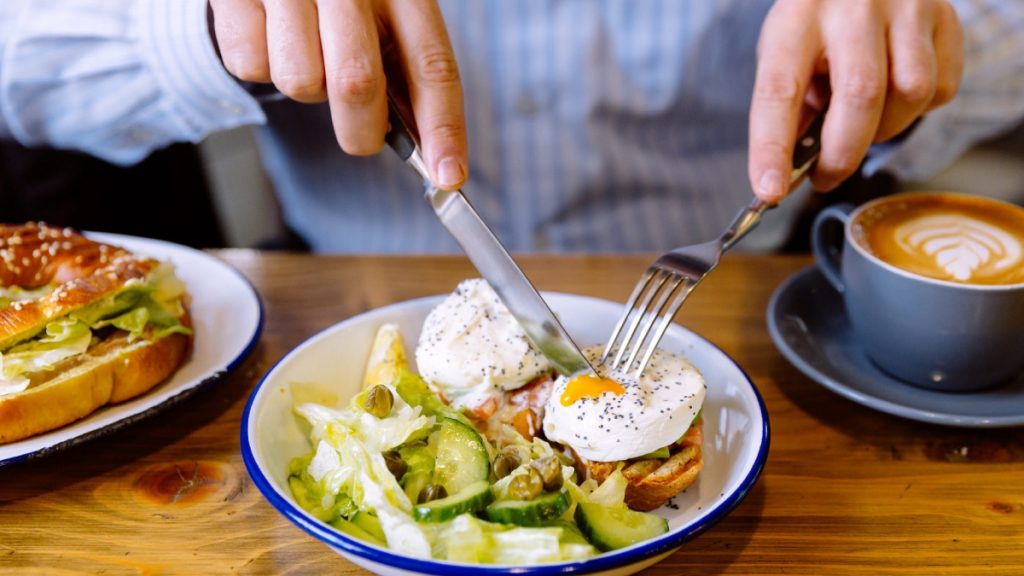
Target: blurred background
(217,195)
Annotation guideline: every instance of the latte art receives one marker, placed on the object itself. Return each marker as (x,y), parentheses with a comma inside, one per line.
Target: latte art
(955,238)
(960,245)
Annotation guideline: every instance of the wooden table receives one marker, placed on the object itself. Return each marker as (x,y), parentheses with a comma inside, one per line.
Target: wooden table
(846,490)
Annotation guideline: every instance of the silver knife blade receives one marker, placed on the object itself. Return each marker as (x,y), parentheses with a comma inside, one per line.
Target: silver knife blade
(491,259)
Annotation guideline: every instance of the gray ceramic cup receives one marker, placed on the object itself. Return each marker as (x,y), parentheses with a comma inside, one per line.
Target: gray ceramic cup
(931,333)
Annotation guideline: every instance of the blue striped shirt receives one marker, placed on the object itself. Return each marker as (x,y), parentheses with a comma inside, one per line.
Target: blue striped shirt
(609,125)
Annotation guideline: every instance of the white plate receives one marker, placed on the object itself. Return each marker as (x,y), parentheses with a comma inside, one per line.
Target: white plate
(735,433)
(227,318)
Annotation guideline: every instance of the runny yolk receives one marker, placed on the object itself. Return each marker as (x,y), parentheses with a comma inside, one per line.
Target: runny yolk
(589,386)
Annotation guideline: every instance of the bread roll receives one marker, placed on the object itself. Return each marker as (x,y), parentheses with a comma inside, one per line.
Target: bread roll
(72,272)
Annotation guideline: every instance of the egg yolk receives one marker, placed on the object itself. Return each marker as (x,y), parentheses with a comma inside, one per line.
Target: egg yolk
(589,386)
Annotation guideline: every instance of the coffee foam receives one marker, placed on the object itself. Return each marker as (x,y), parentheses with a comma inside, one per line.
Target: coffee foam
(952,237)
(960,245)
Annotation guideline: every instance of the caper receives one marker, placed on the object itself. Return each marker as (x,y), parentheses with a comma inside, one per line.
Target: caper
(431,492)
(395,464)
(550,471)
(378,401)
(504,463)
(526,486)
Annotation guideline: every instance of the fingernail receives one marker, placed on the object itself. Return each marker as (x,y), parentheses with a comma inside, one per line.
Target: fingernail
(770,187)
(450,173)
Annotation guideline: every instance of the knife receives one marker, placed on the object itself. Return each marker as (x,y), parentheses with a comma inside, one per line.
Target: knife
(491,259)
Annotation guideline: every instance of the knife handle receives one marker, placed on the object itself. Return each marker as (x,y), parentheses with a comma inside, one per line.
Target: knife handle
(401,137)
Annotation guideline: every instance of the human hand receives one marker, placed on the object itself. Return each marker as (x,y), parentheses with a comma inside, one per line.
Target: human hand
(887,62)
(337,50)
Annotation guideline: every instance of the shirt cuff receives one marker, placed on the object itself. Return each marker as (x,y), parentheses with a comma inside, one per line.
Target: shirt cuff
(176,40)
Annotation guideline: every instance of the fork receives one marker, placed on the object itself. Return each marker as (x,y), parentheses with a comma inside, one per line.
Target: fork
(672,277)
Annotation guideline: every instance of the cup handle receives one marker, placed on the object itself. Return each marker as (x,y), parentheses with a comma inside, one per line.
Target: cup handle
(827,245)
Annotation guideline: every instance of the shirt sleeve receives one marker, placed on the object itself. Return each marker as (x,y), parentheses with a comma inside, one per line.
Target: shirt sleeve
(114,78)
(990,100)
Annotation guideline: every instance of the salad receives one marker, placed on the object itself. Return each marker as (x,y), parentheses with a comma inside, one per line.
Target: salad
(400,467)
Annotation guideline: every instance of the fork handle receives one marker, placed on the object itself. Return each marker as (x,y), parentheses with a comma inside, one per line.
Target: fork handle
(805,152)
(745,221)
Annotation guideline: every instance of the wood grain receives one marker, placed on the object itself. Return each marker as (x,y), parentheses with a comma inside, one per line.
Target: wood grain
(846,490)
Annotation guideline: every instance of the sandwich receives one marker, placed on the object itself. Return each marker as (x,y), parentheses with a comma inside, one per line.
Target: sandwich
(82,324)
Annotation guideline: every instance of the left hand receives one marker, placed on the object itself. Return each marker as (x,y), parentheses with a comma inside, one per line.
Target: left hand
(887,62)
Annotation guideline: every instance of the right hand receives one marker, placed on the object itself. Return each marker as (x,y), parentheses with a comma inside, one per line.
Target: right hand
(335,50)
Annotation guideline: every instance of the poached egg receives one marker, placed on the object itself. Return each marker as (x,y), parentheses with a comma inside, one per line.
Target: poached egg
(617,416)
(471,348)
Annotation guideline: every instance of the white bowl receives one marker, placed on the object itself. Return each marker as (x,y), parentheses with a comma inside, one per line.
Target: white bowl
(330,365)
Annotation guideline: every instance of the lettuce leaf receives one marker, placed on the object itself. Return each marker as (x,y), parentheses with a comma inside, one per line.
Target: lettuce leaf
(469,539)
(156,303)
(348,460)
(61,339)
(147,312)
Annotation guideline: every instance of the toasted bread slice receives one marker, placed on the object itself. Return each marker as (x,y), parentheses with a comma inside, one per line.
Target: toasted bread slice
(653,481)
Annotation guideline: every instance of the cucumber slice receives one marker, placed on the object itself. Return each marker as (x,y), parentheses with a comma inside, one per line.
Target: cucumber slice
(461,457)
(473,498)
(370,524)
(536,512)
(613,527)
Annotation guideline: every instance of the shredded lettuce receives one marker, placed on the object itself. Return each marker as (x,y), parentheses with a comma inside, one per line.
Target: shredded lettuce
(147,312)
(61,339)
(378,434)
(469,539)
(348,460)
(155,305)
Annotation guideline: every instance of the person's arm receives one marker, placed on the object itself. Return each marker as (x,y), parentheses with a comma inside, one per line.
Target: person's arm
(114,78)
(338,51)
(885,64)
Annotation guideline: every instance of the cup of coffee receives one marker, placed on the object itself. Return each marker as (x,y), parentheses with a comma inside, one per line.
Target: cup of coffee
(933,284)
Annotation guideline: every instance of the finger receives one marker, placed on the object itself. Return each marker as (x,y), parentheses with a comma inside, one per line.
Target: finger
(949,55)
(858,71)
(434,88)
(240,27)
(293,43)
(912,73)
(786,55)
(355,75)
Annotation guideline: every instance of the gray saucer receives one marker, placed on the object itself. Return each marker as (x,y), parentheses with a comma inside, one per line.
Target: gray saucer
(808,323)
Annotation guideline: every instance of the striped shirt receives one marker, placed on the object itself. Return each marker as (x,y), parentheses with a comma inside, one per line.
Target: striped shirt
(611,125)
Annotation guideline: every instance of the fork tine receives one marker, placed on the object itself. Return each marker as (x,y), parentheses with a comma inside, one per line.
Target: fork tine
(659,278)
(630,306)
(666,321)
(656,311)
